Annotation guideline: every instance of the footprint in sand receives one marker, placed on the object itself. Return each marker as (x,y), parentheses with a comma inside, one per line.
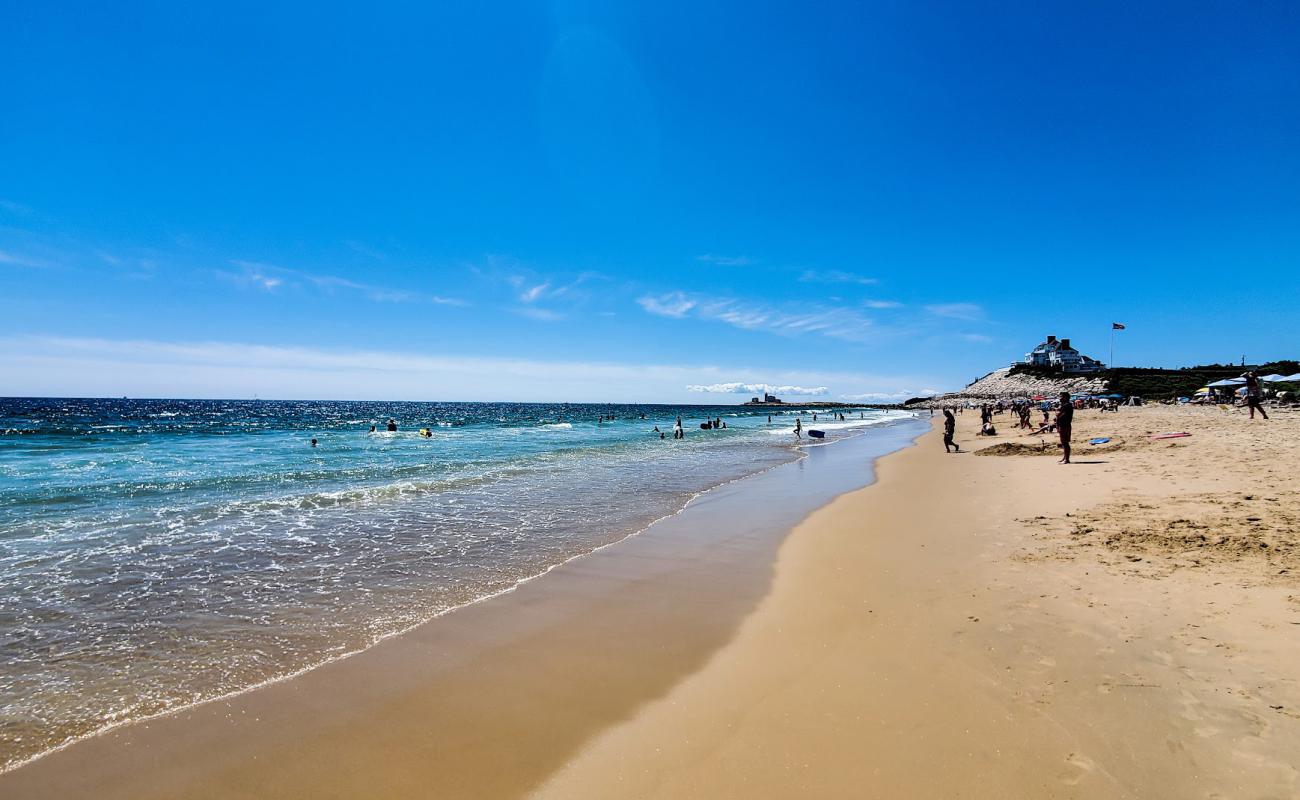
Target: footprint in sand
(1082,764)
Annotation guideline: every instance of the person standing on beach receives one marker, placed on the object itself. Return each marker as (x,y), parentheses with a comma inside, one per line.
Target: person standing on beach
(949,428)
(1064,419)
(1254,395)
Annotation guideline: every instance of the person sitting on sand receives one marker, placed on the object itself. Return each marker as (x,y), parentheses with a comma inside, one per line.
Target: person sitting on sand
(1254,395)
(949,428)
(1064,419)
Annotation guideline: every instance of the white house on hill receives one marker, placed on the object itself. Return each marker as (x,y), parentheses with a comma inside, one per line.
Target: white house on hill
(1058,354)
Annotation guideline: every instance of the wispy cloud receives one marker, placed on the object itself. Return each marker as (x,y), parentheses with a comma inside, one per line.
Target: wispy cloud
(837,323)
(673,304)
(13,207)
(725,261)
(758,388)
(968,312)
(570,293)
(533,293)
(976,337)
(835,276)
(269,277)
(16,260)
(881,304)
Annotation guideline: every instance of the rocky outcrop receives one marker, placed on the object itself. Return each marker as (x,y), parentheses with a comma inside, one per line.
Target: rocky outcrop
(1002,385)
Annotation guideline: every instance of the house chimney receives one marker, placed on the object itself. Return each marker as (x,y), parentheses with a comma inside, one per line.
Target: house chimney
(1065,344)
(1051,339)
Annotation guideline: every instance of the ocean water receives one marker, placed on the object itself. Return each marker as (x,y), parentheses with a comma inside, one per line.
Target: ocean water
(156,553)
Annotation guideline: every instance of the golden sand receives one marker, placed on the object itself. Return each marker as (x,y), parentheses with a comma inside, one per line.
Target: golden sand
(1126,626)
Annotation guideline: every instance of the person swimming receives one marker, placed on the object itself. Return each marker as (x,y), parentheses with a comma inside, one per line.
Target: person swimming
(392,425)
(313,442)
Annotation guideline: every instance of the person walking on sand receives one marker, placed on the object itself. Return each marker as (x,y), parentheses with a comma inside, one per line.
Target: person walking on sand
(1064,419)
(1254,395)
(949,428)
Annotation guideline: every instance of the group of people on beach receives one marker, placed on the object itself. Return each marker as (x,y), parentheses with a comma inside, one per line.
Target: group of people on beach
(1062,425)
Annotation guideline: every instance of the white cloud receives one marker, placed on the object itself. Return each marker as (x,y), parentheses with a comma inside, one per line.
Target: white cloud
(15,260)
(970,312)
(531,294)
(725,261)
(758,389)
(269,277)
(881,304)
(836,323)
(835,276)
(673,304)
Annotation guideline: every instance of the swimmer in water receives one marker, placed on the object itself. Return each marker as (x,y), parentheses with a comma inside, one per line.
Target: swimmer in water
(313,442)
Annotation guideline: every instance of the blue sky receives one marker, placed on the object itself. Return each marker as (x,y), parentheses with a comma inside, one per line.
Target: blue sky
(568,201)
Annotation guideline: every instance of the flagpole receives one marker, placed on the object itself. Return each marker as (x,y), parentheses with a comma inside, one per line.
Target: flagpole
(1112,345)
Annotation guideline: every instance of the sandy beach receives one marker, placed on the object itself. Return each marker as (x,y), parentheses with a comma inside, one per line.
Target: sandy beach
(968,626)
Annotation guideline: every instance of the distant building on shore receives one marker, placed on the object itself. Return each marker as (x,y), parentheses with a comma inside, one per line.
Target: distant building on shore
(768,399)
(1058,354)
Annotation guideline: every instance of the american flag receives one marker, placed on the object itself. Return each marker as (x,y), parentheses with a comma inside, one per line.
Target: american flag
(1117,326)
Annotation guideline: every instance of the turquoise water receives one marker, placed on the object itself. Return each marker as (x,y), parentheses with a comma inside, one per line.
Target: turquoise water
(155,553)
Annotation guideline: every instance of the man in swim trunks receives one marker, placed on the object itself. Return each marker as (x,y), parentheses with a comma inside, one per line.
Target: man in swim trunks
(949,428)
(1064,419)
(1254,395)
